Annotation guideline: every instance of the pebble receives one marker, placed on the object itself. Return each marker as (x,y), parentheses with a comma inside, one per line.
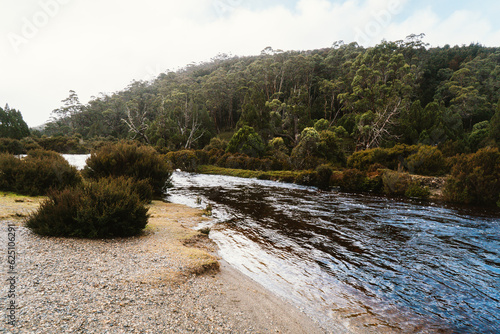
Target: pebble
(101,286)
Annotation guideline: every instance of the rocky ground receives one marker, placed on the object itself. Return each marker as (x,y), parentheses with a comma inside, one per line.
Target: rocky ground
(165,281)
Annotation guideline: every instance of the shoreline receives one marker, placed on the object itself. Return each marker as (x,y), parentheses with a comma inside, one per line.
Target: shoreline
(166,280)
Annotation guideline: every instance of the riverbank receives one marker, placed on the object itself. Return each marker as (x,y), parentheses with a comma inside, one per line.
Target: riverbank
(434,184)
(167,280)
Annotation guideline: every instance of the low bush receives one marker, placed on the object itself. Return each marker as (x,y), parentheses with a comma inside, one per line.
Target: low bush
(306,178)
(475,178)
(104,209)
(12,146)
(323,176)
(395,183)
(37,173)
(63,144)
(427,161)
(130,160)
(388,157)
(353,180)
(30,144)
(416,190)
(185,160)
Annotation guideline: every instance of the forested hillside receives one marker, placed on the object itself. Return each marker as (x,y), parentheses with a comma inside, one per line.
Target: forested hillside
(395,92)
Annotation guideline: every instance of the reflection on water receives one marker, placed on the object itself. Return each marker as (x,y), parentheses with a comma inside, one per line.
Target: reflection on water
(357,262)
(77,160)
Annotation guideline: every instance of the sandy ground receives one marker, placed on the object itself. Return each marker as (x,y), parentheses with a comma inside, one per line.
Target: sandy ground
(167,281)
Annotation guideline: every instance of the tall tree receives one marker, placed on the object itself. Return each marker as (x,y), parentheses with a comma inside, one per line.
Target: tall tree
(12,124)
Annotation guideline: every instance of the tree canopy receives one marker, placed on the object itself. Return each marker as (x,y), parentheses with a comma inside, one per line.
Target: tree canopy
(394,92)
(12,124)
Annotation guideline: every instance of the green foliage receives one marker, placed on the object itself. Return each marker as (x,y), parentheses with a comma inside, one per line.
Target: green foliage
(278,144)
(475,178)
(37,173)
(29,144)
(12,146)
(427,161)
(186,160)
(494,130)
(304,155)
(323,175)
(415,190)
(107,208)
(306,178)
(12,124)
(63,144)
(329,149)
(388,157)
(321,125)
(130,160)
(248,142)
(479,135)
(396,183)
(354,180)
(394,92)
(216,143)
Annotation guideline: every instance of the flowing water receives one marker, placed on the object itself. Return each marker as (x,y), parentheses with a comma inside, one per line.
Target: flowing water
(357,262)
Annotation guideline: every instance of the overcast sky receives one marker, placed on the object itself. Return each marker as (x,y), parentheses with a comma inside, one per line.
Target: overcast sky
(48,47)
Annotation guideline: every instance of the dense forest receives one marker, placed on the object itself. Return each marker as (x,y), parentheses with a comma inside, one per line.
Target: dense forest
(395,92)
(344,113)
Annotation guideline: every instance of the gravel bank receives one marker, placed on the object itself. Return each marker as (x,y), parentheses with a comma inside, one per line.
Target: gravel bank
(155,283)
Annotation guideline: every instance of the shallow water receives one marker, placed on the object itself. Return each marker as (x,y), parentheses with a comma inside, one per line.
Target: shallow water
(355,261)
(77,160)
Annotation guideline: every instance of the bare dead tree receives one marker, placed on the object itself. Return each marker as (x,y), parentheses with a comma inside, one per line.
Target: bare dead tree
(137,122)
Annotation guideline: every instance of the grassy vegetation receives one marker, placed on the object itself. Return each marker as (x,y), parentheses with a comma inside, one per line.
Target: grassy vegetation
(284,176)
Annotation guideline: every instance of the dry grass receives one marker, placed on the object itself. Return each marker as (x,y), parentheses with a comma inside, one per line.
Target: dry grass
(170,230)
(16,207)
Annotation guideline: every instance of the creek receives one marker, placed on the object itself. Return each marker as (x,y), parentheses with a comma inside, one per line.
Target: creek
(356,262)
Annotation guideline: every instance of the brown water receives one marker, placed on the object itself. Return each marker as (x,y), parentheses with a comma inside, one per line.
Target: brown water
(357,262)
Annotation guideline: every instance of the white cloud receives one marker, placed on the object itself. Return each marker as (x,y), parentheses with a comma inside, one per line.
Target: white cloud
(93,47)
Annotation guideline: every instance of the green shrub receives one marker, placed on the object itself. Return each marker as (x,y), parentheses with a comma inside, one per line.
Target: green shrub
(427,161)
(395,183)
(306,178)
(186,160)
(415,190)
(30,144)
(353,180)
(216,143)
(475,178)
(214,155)
(104,209)
(248,142)
(130,160)
(37,173)
(63,144)
(451,148)
(388,157)
(323,176)
(305,154)
(12,146)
